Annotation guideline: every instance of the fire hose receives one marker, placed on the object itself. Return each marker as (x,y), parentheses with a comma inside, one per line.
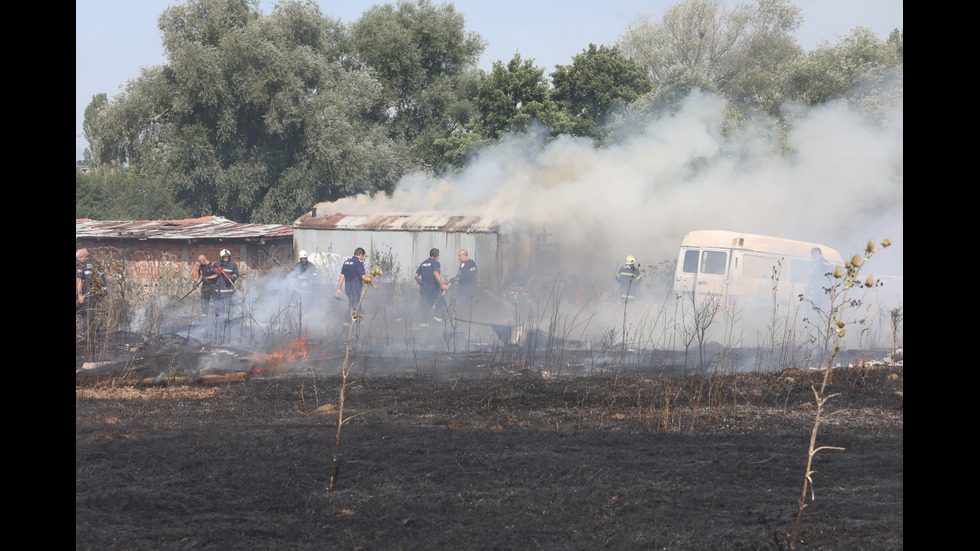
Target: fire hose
(222,272)
(189,292)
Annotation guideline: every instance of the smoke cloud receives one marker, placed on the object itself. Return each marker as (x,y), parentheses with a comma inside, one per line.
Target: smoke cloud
(834,179)
(840,184)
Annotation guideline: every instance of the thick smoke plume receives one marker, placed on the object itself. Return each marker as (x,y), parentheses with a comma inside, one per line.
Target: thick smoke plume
(840,184)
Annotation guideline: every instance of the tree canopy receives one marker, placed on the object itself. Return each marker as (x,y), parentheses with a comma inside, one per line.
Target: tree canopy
(423,57)
(742,52)
(252,117)
(599,81)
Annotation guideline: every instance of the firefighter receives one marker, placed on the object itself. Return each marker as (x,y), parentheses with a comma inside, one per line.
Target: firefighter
(90,293)
(225,287)
(353,276)
(628,277)
(304,273)
(466,279)
(303,276)
(207,277)
(431,287)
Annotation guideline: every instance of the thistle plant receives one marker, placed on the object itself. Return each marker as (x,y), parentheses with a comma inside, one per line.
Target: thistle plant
(846,283)
(355,315)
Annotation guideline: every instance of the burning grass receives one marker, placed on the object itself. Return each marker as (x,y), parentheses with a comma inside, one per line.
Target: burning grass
(297,351)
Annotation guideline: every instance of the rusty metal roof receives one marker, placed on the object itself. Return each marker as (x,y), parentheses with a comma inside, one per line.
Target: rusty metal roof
(207,227)
(397,222)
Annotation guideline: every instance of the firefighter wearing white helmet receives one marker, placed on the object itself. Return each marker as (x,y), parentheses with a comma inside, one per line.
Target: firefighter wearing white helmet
(303,273)
(628,277)
(228,274)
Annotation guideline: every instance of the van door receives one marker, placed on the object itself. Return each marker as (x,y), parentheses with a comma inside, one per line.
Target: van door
(703,271)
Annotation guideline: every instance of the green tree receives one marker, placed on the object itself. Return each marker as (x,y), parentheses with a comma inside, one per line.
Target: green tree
(699,35)
(120,131)
(834,69)
(765,56)
(896,43)
(119,194)
(600,80)
(514,95)
(253,117)
(743,51)
(424,58)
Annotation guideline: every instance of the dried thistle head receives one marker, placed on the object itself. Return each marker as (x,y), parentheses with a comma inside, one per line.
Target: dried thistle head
(869,282)
(870,247)
(856,261)
(886,243)
(838,273)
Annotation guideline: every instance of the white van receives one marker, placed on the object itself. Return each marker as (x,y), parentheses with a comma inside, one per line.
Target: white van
(735,265)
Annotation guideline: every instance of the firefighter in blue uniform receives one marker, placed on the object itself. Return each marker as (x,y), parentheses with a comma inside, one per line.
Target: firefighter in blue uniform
(429,277)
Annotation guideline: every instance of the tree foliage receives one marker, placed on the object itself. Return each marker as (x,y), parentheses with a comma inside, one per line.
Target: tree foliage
(513,96)
(850,69)
(120,194)
(743,52)
(600,80)
(423,57)
(702,36)
(749,55)
(252,117)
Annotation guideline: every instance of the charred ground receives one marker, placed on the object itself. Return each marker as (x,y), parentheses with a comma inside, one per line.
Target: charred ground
(457,455)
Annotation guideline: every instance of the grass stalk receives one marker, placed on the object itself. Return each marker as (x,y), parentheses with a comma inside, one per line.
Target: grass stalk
(355,315)
(839,314)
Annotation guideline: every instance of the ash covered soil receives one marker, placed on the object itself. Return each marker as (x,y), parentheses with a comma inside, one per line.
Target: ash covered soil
(505,460)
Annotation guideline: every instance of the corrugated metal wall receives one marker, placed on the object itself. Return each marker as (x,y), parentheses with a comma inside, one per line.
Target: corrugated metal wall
(400,252)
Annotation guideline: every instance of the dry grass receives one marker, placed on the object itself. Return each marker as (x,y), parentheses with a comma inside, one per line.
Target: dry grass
(148,394)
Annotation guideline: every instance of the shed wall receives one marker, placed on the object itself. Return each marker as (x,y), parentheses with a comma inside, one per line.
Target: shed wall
(400,252)
(153,259)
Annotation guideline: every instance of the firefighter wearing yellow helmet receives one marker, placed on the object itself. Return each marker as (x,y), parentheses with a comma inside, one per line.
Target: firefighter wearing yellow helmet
(628,277)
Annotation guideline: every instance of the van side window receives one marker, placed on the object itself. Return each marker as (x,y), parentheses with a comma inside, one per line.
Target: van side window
(690,262)
(714,262)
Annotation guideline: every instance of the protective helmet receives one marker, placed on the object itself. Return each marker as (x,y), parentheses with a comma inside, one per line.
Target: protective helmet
(302,254)
(631,260)
(225,252)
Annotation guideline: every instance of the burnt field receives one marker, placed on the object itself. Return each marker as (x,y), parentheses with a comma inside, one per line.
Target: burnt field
(451,452)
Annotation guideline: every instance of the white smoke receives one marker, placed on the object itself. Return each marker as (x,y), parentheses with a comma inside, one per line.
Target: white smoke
(840,184)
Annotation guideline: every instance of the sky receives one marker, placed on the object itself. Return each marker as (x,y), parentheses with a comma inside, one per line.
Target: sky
(115,38)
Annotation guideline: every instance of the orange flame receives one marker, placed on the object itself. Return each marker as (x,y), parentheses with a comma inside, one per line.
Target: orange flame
(297,351)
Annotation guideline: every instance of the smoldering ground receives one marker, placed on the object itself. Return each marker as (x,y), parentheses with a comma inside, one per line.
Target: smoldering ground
(502,462)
